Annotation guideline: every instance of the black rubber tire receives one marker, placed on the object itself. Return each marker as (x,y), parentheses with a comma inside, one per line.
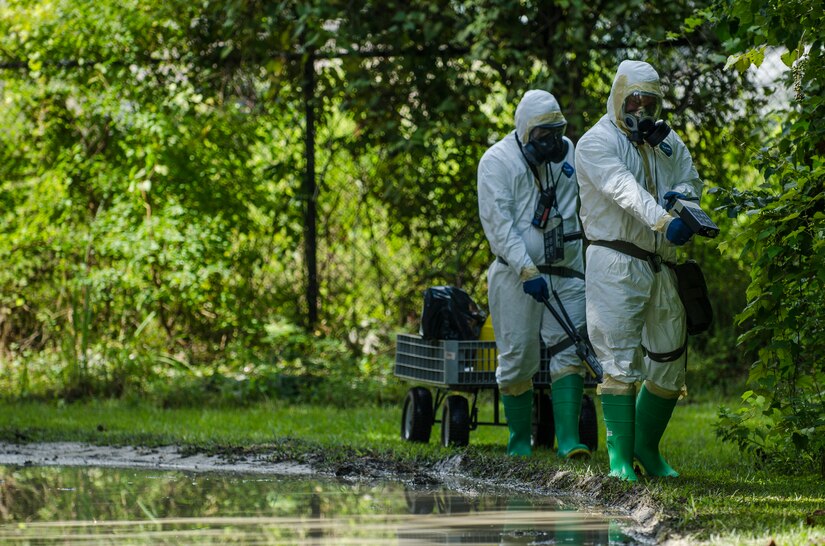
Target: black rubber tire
(455,421)
(544,428)
(588,424)
(417,417)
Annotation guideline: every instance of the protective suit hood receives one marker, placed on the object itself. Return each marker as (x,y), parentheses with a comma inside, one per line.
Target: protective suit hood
(630,77)
(536,108)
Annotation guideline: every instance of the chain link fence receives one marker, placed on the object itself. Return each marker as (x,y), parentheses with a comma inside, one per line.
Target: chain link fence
(773,81)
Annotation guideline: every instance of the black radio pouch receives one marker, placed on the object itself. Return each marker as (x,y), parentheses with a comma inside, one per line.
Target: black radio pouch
(693,291)
(547,198)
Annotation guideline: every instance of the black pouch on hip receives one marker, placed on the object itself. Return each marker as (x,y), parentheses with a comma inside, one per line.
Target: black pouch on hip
(554,241)
(693,291)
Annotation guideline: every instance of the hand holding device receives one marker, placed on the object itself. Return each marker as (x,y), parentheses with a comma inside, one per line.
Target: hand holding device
(678,232)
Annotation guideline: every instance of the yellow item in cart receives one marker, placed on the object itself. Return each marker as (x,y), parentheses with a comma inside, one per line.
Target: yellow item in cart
(487,358)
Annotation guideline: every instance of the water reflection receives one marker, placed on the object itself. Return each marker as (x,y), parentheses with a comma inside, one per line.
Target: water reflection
(81,505)
(504,520)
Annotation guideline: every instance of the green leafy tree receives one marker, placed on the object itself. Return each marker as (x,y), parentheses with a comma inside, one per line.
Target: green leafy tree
(129,183)
(158,213)
(783,418)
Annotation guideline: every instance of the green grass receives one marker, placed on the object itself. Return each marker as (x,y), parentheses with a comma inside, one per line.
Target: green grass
(722,496)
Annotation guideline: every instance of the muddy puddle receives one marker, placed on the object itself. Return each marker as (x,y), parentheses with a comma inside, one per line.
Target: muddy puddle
(104,505)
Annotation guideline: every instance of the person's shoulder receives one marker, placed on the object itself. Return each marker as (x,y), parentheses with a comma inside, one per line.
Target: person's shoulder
(601,124)
(601,133)
(675,139)
(673,146)
(501,151)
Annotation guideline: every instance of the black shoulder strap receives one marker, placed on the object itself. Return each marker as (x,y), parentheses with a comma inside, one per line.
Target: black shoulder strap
(532,167)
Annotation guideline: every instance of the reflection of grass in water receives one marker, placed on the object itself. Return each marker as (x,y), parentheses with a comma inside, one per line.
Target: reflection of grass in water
(720,491)
(146,512)
(49,493)
(147,507)
(485,527)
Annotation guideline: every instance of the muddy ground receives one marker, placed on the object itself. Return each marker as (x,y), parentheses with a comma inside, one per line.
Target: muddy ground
(455,472)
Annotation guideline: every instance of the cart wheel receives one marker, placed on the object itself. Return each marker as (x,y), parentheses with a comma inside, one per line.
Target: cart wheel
(455,422)
(588,426)
(417,418)
(544,429)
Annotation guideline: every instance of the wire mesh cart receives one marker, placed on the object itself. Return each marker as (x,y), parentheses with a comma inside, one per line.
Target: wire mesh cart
(450,367)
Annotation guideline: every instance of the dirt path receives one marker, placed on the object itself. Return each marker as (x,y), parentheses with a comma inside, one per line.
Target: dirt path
(161,458)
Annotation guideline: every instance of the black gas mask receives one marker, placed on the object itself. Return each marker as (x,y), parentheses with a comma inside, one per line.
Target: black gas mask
(640,112)
(546,144)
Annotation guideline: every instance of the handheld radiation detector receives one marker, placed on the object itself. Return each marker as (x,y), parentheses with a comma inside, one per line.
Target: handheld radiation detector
(695,218)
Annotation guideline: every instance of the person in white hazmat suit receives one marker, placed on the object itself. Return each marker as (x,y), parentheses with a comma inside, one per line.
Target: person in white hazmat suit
(630,168)
(527,200)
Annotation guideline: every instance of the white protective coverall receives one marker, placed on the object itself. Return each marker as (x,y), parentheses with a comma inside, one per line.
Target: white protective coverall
(507,197)
(622,188)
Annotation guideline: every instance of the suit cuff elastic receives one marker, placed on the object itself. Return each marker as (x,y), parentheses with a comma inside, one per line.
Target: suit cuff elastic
(529,272)
(663,222)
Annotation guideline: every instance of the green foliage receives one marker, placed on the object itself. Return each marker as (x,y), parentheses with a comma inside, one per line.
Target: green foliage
(783,415)
(139,221)
(784,314)
(152,166)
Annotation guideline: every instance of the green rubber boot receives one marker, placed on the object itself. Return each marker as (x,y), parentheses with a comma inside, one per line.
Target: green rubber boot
(519,413)
(652,416)
(567,405)
(619,412)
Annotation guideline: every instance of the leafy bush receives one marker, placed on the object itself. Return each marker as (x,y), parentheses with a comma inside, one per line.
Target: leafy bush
(785,312)
(154,197)
(783,413)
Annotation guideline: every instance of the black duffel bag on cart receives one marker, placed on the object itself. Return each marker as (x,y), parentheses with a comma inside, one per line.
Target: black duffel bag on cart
(450,313)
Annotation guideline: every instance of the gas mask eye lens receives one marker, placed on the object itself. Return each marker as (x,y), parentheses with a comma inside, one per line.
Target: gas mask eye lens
(642,105)
(547,133)
(632,103)
(546,144)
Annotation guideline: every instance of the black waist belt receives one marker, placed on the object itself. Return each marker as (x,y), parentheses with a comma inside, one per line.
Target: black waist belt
(552,270)
(634,251)
(572,236)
